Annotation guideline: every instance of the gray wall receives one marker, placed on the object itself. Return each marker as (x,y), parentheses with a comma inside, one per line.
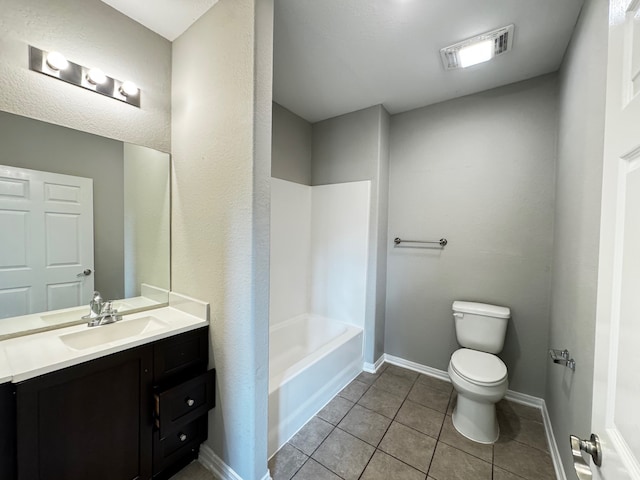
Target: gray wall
(478,170)
(36,145)
(577,225)
(382,179)
(291,147)
(221,138)
(350,148)
(345,148)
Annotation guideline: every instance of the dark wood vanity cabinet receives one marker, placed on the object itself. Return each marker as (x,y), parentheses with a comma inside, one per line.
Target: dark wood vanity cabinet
(91,420)
(7,429)
(120,417)
(183,393)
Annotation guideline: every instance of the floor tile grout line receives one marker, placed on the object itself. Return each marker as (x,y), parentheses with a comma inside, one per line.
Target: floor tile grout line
(325,438)
(439,434)
(387,430)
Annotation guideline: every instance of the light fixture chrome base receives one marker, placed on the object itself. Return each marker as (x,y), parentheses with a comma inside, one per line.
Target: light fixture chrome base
(77,75)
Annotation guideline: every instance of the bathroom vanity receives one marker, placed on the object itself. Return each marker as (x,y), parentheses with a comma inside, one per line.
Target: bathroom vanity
(101,404)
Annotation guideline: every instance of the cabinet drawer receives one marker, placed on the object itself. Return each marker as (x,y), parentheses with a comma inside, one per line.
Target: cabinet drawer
(182,443)
(184,403)
(189,351)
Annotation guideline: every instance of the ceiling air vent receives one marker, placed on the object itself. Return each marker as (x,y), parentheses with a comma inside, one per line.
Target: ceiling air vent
(477,49)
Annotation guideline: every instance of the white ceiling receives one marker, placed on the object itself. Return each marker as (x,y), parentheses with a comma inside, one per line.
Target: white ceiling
(336,56)
(169,18)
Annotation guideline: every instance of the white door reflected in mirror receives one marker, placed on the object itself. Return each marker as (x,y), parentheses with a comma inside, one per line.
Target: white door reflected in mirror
(46,229)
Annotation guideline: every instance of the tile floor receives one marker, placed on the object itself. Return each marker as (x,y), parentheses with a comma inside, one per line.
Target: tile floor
(396,425)
(193,471)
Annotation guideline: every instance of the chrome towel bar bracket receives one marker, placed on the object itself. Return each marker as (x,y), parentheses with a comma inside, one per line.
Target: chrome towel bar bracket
(562,357)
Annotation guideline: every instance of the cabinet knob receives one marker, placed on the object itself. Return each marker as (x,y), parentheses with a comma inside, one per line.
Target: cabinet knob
(182,437)
(190,402)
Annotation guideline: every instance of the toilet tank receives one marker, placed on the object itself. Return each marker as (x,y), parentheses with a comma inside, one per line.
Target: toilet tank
(480,326)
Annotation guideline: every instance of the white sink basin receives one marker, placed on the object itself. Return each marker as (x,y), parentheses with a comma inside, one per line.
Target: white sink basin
(113,332)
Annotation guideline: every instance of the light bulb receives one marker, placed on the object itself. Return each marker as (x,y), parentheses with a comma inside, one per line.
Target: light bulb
(96,76)
(56,61)
(128,88)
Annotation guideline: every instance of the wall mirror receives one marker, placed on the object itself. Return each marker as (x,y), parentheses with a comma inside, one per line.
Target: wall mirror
(78,212)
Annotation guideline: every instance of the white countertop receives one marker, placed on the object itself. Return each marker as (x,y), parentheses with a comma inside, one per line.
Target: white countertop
(5,370)
(39,322)
(30,356)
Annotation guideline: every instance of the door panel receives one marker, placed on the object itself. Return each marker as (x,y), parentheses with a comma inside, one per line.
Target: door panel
(615,415)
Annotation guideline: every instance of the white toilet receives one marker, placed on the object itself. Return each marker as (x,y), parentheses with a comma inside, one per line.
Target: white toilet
(477,374)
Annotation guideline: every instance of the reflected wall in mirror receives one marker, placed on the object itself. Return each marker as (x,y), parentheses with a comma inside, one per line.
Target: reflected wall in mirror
(128,194)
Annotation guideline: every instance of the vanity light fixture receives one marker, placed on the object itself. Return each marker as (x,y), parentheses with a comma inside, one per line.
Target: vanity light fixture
(54,64)
(478,49)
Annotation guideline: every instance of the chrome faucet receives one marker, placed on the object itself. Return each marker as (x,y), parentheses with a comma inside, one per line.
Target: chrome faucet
(101,312)
(95,306)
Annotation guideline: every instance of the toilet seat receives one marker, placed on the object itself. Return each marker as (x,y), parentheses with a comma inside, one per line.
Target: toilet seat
(479,368)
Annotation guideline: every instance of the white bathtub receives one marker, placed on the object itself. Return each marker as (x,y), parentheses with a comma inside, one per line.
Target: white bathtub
(311,358)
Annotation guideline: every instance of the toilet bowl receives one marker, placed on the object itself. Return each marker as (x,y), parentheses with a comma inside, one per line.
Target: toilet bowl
(480,379)
(477,374)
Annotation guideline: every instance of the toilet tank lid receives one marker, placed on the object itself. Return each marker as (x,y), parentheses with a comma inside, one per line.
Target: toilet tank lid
(481,309)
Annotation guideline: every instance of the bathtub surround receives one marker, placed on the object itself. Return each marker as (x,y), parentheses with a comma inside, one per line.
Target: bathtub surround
(577,225)
(478,170)
(340,251)
(319,257)
(355,147)
(348,148)
(290,251)
(221,135)
(83,30)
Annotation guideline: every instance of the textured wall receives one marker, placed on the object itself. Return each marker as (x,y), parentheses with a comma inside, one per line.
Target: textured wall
(291,149)
(28,143)
(221,138)
(577,225)
(90,33)
(146,218)
(478,170)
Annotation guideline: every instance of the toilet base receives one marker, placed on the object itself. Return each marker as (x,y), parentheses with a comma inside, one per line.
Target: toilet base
(476,420)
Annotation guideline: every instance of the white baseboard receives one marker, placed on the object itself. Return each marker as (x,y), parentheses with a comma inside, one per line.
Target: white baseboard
(512,396)
(373,367)
(215,465)
(417,367)
(553,446)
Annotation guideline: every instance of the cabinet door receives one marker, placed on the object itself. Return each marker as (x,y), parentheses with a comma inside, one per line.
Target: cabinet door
(91,421)
(7,432)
